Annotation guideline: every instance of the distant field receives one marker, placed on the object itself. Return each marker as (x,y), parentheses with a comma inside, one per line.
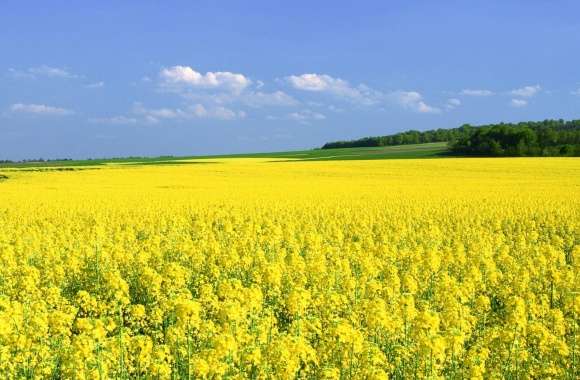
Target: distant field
(430,150)
(398,151)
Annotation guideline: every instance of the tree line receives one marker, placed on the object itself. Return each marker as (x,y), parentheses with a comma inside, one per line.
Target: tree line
(402,138)
(542,138)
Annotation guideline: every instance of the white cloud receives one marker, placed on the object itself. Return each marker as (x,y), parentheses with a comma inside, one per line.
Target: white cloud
(518,103)
(213,90)
(452,103)
(261,99)
(222,113)
(158,113)
(414,101)
(527,91)
(42,71)
(114,120)
(39,109)
(425,108)
(319,82)
(254,99)
(216,90)
(303,116)
(338,87)
(143,115)
(220,80)
(189,112)
(306,115)
(471,92)
(96,85)
(48,71)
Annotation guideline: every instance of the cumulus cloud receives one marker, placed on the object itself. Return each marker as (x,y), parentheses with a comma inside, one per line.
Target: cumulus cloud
(215,90)
(362,94)
(42,71)
(39,109)
(472,92)
(518,103)
(527,91)
(324,83)
(187,76)
(218,90)
(211,95)
(414,101)
(319,82)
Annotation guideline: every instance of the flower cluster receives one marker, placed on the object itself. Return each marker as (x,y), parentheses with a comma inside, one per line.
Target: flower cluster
(254,269)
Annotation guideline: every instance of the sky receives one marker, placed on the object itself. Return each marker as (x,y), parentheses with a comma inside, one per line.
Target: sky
(148,78)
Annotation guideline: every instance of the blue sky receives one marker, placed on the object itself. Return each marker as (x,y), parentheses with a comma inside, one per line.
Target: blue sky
(199,77)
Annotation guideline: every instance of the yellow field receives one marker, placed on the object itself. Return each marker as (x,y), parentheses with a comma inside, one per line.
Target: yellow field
(457,268)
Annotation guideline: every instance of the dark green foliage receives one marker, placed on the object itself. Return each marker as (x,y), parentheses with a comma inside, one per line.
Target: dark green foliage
(404,138)
(544,138)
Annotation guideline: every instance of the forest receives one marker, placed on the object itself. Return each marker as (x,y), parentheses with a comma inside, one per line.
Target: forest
(403,138)
(542,138)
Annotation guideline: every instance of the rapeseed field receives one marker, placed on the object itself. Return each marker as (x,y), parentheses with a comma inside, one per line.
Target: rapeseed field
(247,268)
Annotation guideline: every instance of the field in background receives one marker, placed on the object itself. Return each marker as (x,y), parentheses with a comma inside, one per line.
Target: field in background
(252,268)
(430,150)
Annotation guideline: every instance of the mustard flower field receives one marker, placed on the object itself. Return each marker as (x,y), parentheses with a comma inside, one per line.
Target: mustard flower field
(253,269)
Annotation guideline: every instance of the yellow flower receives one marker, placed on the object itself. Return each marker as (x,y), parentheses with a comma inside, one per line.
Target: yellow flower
(250,268)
